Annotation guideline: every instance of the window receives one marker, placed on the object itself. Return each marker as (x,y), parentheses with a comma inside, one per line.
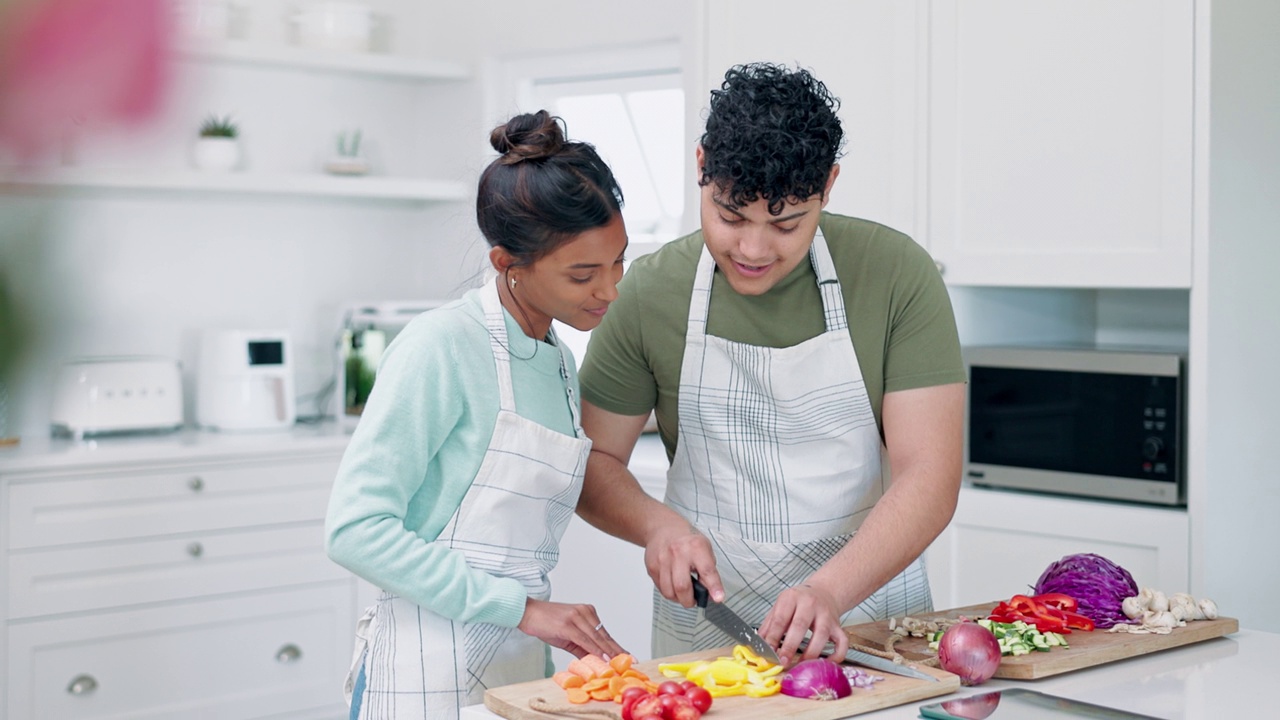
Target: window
(630,105)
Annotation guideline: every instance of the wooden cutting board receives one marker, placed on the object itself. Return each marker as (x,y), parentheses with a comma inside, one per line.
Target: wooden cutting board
(1087,649)
(512,701)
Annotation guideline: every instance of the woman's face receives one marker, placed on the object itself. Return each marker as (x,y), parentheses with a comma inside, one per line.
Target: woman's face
(573,284)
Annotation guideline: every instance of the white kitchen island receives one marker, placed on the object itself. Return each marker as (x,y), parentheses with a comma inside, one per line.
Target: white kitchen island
(1228,677)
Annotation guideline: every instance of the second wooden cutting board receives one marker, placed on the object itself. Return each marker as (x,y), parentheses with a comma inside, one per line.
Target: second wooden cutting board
(512,701)
(1087,649)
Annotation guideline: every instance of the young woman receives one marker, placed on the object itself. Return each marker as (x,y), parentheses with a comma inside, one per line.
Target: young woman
(468,460)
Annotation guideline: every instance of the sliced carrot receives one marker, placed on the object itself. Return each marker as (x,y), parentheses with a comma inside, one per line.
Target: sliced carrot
(616,684)
(595,684)
(561,677)
(573,681)
(621,662)
(581,669)
(633,673)
(601,694)
(632,682)
(578,696)
(596,663)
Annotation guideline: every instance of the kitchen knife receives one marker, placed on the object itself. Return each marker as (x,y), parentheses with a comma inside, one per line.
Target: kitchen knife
(872,661)
(727,620)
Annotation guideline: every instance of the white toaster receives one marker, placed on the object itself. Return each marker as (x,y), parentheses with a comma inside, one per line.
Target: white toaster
(97,396)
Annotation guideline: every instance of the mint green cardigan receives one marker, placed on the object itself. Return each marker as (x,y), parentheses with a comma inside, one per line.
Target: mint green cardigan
(417,449)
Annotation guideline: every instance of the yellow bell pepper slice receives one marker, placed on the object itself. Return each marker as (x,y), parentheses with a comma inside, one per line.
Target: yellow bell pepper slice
(771,687)
(673,670)
(726,691)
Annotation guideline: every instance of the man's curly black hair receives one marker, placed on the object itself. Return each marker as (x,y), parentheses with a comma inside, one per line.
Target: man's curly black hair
(771,133)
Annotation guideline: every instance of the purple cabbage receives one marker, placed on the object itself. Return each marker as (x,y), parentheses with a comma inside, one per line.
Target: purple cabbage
(1098,585)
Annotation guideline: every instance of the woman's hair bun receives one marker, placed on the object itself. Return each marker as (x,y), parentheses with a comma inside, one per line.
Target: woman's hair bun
(530,136)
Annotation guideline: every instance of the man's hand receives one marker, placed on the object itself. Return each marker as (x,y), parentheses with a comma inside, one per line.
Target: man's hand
(801,609)
(673,554)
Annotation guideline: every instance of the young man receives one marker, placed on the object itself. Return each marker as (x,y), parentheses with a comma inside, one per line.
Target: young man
(780,347)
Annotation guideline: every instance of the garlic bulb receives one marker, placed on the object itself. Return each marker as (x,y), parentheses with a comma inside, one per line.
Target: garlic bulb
(1132,607)
(1159,602)
(1209,608)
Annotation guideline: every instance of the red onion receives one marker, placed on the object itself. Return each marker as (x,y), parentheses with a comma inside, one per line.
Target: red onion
(816,679)
(970,651)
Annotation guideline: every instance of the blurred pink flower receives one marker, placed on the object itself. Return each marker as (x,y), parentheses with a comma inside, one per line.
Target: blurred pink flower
(64,62)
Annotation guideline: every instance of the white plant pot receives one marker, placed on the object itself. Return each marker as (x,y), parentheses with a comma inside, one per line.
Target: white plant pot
(219,154)
(343,165)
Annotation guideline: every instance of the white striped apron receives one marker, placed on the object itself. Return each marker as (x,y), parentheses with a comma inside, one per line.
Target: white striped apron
(778,463)
(419,665)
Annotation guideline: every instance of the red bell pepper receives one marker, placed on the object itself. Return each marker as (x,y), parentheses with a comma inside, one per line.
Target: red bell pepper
(1061,601)
(1050,612)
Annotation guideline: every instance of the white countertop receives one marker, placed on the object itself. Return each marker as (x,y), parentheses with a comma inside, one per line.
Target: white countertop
(1214,680)
(36,456)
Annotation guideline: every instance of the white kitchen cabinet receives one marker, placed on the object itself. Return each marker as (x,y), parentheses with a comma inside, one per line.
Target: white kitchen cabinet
(181,576)
(1060,142)
(867,53)
(999,542)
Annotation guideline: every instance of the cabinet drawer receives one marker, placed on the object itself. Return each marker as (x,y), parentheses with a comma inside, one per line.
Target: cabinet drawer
(48,582)
(254,656)
(149,503)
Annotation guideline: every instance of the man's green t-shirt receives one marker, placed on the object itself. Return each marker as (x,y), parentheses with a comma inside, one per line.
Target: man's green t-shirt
(900,319)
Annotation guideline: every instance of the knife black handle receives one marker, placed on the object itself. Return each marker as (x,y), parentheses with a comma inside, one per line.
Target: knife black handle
(700,594)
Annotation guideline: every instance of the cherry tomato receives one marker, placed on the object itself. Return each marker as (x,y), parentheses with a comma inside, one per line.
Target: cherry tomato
(645,706)
(699,698)
(681,709)
(688,685)
(630,697)
(670,687)
(648,717)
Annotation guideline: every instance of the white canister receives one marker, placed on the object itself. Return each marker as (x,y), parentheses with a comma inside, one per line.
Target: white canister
(335,25)
(206,18)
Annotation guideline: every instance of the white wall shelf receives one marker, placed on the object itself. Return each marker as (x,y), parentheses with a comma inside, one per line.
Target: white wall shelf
(370,64)
(314,185)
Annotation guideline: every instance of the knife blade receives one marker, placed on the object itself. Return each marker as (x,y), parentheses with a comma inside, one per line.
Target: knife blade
(721,616)
(868,660)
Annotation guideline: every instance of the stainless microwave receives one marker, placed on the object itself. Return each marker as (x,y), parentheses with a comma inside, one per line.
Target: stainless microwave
(1084,421)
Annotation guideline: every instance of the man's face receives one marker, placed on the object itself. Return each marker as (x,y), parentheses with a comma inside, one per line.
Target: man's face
(754,249)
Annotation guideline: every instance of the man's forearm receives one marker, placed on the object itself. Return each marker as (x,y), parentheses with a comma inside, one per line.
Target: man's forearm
(613,501)
(900,527)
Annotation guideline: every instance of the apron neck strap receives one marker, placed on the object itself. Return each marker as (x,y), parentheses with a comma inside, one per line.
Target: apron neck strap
(495,322)
(828,285)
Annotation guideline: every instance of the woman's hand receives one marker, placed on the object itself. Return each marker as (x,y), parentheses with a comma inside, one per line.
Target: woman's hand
(573,628)
(799,610)
(673,554)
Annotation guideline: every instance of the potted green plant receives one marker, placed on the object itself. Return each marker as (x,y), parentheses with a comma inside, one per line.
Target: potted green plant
(218,145)
(348,160)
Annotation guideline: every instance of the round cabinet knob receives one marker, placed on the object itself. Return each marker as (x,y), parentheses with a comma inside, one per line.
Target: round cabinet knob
(1152,448)
(195,549)
(196,484)
(942,268)
(82,685)
(289,653)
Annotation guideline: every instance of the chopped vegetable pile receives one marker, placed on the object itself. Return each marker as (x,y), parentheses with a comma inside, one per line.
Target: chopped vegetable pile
(1049,612)
(591,677)
(743,674)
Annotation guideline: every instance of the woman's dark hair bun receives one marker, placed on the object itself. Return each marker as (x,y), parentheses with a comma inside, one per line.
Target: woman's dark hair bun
(531,136)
